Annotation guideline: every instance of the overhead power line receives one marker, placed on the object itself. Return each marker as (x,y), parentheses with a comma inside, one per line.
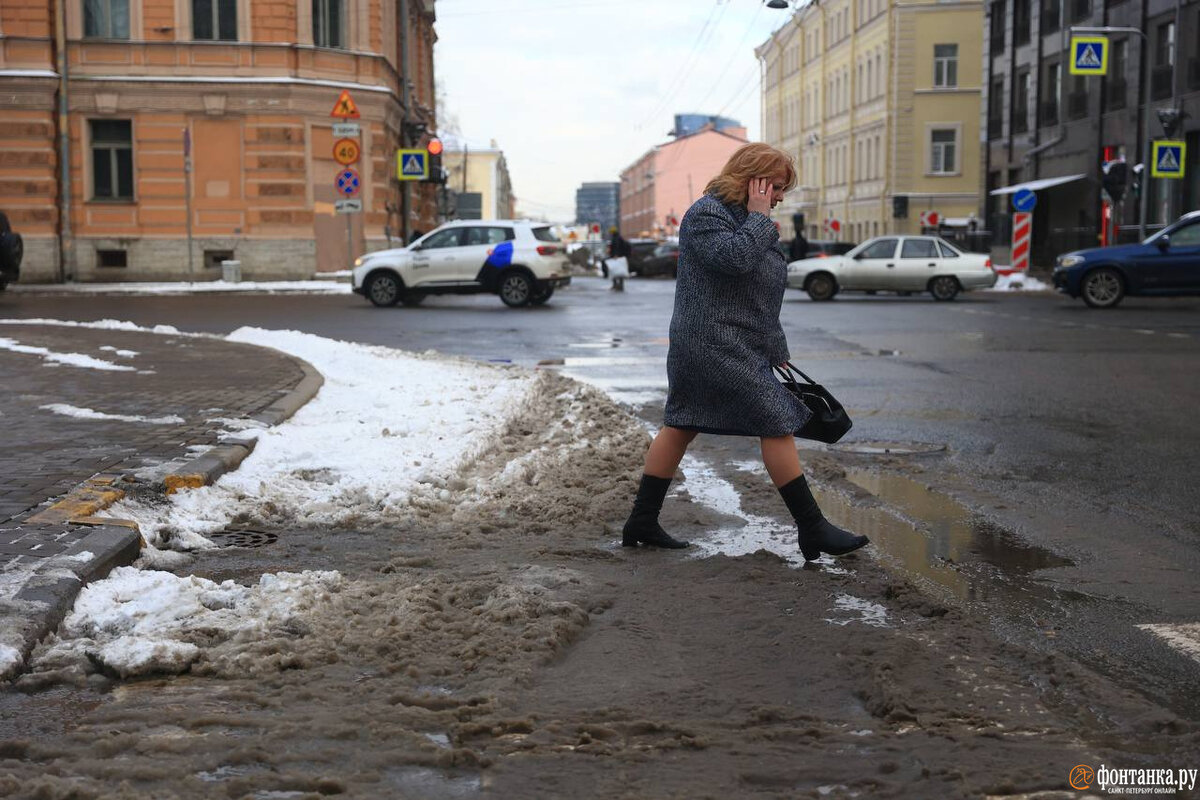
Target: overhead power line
(706,31)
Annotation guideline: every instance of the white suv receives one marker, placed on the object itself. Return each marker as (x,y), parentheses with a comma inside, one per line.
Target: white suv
(523,262)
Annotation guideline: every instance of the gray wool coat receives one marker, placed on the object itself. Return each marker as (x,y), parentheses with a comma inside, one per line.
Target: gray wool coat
(725,331)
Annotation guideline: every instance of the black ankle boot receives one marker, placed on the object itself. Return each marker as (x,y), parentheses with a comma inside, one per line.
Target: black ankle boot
(817,534)
(642,526)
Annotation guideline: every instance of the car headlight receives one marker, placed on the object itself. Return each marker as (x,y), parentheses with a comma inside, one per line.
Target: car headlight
(358,261)
(1069,261)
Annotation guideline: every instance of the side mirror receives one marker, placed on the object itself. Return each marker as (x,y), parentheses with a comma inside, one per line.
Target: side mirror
(1163,242)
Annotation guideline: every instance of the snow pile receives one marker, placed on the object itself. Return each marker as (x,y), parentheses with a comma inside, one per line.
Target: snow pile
(385,426)
(198,287)
(139,622)
(67,410)
(1018,282)
(69,359)
(102,324)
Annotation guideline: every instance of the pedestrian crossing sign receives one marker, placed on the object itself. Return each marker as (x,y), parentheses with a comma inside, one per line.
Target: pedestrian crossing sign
(1089,55)
(1167,159)
(412,165)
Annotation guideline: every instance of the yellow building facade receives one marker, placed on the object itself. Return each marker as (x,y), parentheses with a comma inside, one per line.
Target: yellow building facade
(482,172)
(879,102)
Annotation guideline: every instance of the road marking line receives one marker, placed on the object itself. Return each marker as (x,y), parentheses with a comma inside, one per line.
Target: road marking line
(1180,335)
(1143,331)
(1184,637)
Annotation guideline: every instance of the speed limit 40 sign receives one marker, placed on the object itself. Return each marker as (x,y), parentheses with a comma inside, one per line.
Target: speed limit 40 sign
(346,151)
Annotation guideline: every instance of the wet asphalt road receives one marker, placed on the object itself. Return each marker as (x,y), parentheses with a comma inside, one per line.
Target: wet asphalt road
(1064,501)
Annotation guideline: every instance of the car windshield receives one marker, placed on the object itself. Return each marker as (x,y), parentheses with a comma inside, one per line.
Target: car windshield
(545,234)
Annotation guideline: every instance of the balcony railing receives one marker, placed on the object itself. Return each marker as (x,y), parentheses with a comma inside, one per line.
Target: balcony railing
(1162,80)
(1115,94)
(1049,113)
(1077,105)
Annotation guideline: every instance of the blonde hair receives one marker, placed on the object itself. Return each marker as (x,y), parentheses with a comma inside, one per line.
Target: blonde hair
(755,160)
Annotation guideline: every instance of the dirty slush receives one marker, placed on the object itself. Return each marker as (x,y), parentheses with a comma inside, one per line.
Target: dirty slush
(496,641)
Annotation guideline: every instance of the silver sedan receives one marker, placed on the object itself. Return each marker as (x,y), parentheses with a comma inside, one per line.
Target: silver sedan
(903,264)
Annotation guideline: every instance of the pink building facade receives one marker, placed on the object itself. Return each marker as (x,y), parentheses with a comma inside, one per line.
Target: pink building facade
(660,186)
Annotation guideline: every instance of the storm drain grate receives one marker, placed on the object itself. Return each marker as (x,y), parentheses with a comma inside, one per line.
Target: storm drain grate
(243,537)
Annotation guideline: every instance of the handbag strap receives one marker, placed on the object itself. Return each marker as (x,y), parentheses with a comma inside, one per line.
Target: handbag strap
(787,369)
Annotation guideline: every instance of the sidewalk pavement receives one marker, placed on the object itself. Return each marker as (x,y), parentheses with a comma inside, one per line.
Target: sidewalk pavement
(88,413)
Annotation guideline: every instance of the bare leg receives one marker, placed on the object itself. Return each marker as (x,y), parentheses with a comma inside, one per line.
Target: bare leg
(666,451)
(781,459)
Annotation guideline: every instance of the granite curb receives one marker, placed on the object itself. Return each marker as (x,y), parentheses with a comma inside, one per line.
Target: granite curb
(46,593)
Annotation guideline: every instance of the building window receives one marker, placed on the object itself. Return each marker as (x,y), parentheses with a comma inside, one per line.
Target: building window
(996,27)
(996,109)
(1080,10)
(1164,49)
(106,19)
(112,258)
(1077,101)
(1052,91)
(214,19)
(1115,86)
(1020,22)
(945,65)
(112,159)
(1051,16)
(943,145)
(328,27)
(1020,102)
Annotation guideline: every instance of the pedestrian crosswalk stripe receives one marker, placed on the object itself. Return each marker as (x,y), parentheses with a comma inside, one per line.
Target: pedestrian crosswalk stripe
(1088,58)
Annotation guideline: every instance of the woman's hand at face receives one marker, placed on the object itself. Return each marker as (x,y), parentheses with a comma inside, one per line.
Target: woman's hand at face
(759,196)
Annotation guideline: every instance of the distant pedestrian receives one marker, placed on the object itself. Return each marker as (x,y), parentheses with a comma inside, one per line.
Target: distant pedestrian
(799,246)
(725,337)
(618,248)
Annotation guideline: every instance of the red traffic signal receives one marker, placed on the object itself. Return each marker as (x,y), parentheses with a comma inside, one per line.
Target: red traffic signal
(595,228)
(434,148)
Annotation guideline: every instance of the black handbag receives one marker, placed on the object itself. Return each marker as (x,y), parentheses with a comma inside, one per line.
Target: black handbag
(829,421)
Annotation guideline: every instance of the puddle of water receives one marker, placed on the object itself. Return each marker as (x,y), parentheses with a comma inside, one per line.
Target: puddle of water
(945,544)
(707,488)
(432,784)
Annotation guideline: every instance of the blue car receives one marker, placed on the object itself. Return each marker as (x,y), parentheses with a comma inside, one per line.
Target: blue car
(1166,264)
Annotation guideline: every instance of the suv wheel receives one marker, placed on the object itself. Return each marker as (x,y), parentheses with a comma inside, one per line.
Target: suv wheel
(516,289)
(1103,288)
(384,289)
(541,297)
(944,288)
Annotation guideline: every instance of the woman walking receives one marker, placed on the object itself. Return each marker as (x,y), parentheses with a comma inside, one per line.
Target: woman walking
(725,337)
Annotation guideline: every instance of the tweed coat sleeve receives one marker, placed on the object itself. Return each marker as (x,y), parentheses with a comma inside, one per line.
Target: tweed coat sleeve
(722,245)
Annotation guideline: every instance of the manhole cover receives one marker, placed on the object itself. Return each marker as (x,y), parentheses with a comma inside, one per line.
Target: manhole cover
(243,537)
(890,448)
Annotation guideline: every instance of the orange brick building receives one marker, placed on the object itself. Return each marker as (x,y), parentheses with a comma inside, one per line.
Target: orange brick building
(251,84)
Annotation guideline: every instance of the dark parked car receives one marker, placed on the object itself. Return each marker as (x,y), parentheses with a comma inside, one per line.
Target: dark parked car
(639,251)
(663,260)
(12,249)
(1167,263)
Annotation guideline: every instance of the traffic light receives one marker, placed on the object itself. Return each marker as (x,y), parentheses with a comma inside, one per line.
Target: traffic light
(1138,176)
(1116,175)
(434,150)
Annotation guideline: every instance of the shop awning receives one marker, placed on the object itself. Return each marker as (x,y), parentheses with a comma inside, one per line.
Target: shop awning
(1040,183)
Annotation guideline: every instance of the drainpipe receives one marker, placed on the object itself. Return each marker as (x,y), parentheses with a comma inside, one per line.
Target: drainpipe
(405,200)
(66,244)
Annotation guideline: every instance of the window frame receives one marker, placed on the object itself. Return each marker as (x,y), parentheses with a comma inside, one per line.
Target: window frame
(936,149)
(321,17)
(107,21)
(947,66)
(919,240)
(110,150)
(425,243)
(219,15)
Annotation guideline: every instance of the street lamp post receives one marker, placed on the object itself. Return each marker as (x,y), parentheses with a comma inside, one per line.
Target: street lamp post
(1145,177)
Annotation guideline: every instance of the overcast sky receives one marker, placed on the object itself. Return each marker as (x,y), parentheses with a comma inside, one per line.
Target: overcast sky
(576,90)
